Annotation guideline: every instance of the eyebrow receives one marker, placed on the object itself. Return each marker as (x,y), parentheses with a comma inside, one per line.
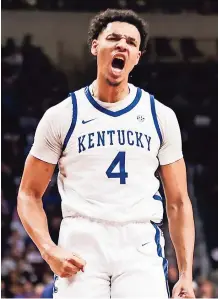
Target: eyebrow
(121,35)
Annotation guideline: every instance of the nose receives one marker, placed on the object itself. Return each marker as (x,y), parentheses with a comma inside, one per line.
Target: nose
(121,45)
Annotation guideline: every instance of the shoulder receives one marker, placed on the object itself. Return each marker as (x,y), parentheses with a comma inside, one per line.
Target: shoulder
(64,113)
(60,115)
(57,119)
(163,112)
(166,117)
(65,107)
(61,109)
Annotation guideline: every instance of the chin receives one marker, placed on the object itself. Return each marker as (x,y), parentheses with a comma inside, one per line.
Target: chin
(114,81)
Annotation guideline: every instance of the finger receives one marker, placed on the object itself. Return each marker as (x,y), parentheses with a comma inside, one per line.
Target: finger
(71,268)
(175,292)
(66,274)
(187,295)
(78,262)
(78,266)
(68,271)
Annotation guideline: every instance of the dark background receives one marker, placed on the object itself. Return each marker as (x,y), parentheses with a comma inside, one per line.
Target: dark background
(185,81)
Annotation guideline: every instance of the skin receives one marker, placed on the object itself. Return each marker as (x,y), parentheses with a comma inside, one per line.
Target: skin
(181,224)
(117,38)
(36,177)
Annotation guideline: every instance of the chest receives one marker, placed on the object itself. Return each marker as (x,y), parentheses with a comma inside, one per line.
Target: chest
(132,131)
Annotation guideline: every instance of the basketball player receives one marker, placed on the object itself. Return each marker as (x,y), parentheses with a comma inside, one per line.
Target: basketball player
(109,139)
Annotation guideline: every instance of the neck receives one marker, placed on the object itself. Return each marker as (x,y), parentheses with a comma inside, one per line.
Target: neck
(109,93)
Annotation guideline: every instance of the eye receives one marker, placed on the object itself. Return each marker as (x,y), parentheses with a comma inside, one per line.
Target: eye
(131,42)
(113,38)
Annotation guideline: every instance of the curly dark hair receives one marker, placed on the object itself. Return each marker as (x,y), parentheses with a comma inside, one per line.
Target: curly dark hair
(101,20)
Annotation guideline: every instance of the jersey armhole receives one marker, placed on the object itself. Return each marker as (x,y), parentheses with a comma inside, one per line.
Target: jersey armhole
(73,122)
(154,115)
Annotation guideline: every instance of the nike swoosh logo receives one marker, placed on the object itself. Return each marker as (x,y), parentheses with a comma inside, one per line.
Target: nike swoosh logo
(87,121)
(145,244)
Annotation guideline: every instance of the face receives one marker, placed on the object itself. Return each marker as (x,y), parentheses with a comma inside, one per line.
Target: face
(117,51)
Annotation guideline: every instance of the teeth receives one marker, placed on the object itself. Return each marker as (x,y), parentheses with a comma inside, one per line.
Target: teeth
(119,57)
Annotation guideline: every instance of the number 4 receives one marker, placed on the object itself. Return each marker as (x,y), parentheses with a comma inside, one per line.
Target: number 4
(122,175)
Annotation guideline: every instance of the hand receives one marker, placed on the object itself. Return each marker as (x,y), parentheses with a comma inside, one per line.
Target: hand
(62,262)
(183,288)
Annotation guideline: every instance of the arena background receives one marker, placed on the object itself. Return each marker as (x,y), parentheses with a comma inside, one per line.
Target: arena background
(44,56)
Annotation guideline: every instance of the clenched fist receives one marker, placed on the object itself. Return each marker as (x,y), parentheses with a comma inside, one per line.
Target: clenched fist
(62,262)
(183,288)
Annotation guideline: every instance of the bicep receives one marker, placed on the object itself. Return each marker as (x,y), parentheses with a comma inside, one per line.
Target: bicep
(36,177)
(174,179)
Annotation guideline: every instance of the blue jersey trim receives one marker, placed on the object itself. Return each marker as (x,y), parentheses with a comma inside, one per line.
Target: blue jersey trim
(74,119)
(109,112)
(154,115)
(157,197)
(55,289)
(160,254)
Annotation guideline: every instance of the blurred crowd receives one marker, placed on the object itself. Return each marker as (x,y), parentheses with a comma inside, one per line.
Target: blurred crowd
(164,6)
(31,83)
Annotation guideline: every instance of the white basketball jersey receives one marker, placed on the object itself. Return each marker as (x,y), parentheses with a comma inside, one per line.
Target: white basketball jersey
(109,160)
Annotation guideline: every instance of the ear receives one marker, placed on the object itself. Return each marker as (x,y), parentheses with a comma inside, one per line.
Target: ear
(138,57)
(94,47)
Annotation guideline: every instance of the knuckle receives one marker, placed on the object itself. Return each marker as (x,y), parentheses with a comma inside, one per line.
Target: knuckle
(74,270)
(63,266)
(68,269)
(63,269)
(65,261)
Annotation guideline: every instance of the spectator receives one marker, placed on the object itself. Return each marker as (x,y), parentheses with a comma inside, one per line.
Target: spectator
(172,276)
(206,290)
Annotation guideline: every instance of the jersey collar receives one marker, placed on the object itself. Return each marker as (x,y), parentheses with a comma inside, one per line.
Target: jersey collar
(109,112)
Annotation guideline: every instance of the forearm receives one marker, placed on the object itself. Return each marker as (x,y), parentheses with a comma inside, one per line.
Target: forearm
(34,220)
(182,232)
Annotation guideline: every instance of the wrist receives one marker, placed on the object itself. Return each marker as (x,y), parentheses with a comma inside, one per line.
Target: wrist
(185,275)
(46,249)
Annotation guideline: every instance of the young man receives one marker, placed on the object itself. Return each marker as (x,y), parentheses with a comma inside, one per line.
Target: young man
(109,139)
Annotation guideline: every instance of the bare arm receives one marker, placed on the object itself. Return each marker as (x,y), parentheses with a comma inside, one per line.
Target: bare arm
(180,215)
(36,177)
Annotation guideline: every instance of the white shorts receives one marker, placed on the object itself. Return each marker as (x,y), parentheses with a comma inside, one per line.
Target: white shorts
(123,261)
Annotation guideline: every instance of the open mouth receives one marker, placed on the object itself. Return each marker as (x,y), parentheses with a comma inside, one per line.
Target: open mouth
(118,63)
